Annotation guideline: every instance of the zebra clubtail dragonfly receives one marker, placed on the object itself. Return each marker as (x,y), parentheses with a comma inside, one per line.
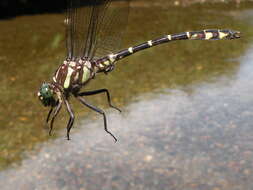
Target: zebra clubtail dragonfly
(94,30)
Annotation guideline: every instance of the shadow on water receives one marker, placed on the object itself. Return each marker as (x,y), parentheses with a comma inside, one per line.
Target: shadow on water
(187,108)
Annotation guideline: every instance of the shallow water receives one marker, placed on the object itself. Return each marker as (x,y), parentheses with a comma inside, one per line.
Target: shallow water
(187,114)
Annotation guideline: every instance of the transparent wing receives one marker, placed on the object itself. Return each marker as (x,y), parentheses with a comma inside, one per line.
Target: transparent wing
(94,27)
(83,18)
(110,35)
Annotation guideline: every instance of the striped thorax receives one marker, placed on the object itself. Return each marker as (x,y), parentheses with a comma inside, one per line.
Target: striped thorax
(73,73)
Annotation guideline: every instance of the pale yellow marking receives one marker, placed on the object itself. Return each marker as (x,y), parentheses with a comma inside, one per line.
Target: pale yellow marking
(59,95)
(106,62)
(76,77)
(56,75)
(87,63)
(38,94)
(67,80)
(195,36)
(101,65)
(112,58)
(72,63)
(150,43)
(222,35)
(86,74)
(54,79)
(169,37)
(188,34)
(208,35)
(130,50)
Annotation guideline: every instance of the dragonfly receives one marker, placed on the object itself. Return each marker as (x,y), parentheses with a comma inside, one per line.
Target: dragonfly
(94,31)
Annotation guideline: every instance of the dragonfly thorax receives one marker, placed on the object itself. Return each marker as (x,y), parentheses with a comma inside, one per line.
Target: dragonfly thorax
(74,74)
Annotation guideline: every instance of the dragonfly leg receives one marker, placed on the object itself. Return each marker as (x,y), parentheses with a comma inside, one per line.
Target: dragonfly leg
(56,111)
(71,119)
(89,93)
(50,111)
(109,69)
(98,111)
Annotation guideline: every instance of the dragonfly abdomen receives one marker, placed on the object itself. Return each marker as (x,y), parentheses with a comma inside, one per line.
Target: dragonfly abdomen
(212,34)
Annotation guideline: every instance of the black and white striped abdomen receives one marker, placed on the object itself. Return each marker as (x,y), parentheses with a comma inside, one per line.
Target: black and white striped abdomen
(210,34)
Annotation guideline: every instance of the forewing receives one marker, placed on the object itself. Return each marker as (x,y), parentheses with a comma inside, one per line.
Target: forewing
(110,33)
(83,20)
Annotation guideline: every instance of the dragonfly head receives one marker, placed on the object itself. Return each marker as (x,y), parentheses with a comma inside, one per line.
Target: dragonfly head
(46,95)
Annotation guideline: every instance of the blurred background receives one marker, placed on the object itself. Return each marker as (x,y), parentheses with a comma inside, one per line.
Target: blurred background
(187,106)
(18,7)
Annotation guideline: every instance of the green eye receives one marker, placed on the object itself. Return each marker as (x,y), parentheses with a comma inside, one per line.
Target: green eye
(45,91)
(45,95)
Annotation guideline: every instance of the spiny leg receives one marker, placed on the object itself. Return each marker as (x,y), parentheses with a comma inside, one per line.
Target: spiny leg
(71,119)
(56,111)
(98,111)
(104,90)
(49,113)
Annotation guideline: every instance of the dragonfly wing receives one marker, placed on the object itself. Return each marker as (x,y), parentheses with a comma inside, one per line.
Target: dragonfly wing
(83,20)
(110,34)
